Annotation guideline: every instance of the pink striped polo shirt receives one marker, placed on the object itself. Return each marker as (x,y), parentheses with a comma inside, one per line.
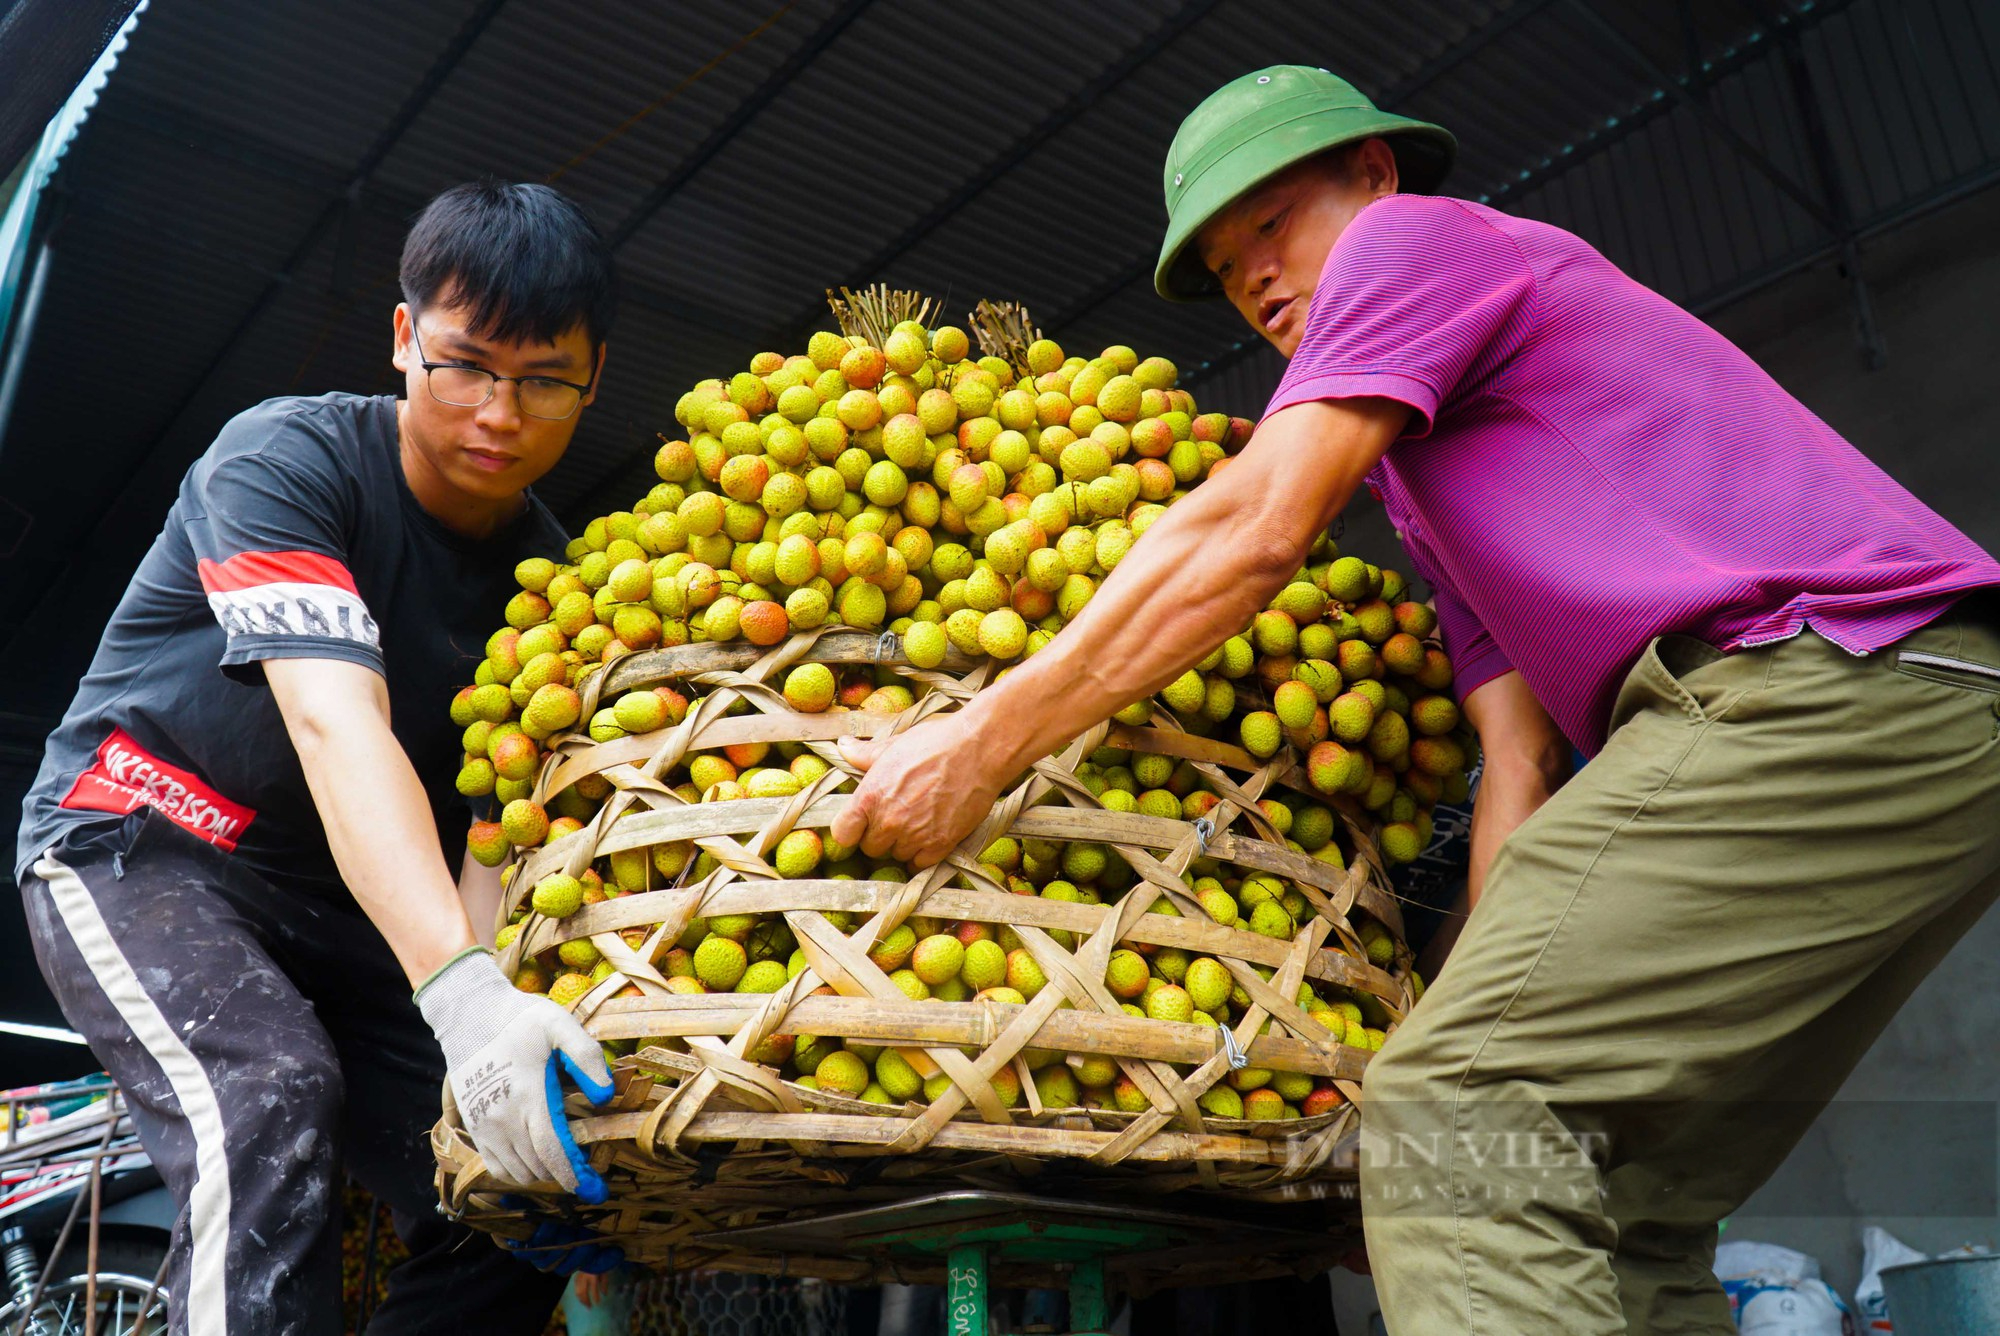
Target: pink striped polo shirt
(1589,466)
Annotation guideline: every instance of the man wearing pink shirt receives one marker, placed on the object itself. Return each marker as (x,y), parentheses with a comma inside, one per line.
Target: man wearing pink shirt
(1781,663)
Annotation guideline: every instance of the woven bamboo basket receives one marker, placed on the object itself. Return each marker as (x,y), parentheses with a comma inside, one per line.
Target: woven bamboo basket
(703,1135)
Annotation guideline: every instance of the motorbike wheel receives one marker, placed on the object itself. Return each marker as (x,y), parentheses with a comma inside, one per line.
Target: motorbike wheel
(125,1271)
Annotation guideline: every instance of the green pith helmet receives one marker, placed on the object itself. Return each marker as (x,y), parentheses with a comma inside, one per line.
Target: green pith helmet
(1252,128)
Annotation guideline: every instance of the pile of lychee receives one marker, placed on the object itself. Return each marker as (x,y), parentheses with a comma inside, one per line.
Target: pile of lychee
(976,506)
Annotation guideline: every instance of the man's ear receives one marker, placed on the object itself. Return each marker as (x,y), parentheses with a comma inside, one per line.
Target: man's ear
(596,374)
(1375,167)
(401,353)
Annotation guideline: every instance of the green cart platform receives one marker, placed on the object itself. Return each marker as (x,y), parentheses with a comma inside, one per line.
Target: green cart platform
(972,1241)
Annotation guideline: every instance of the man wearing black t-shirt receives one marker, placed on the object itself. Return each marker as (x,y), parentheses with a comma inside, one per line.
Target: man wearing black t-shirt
(234,858)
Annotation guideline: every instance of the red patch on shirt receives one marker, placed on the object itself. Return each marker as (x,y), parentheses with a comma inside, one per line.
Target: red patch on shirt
(247,570)
(127,777)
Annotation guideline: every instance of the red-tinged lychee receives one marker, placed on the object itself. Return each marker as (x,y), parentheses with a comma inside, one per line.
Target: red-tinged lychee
(1436,672)
(744,476)
(1024,974)
(1376,620)
(1263,1104)
(764,622)
(1417,619)
(526,609)
(1212,427)
(1323,1099)
(864,367)
(1357,660)
(515,756)
(487,843)
(1436,756)
(636,627)
(1403,653)
(1125,975)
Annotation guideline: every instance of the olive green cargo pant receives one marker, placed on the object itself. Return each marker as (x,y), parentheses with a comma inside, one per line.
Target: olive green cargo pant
(1676,962)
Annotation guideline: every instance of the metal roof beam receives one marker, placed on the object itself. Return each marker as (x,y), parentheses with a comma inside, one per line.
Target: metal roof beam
(1464,49)
(1690,37)
(1683,91)
(1238,352)
(412,106)
(1631,122)
(745,112)
(1874,346)
(133,110)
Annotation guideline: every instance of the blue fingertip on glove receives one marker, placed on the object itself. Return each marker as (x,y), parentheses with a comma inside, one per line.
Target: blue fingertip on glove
(562,1249)
(590,1188)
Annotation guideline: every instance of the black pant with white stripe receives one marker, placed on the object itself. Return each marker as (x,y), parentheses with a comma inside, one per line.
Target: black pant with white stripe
(266,1040)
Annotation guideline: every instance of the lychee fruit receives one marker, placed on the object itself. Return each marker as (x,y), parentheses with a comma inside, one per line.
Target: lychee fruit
(720,963)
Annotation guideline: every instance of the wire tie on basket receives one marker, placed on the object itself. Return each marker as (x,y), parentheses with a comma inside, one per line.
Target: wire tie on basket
(1238,1059)
(1204,830)
(884,644)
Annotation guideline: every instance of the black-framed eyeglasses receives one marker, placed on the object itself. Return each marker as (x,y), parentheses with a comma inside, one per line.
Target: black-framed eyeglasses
(464,386)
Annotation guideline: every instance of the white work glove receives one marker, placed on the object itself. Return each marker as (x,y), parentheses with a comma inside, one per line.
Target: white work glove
(501,1049)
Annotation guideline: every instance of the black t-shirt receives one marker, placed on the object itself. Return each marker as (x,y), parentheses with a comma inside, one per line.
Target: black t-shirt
(294,537)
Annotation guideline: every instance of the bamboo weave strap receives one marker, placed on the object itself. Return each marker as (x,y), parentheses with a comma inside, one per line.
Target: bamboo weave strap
(741,706)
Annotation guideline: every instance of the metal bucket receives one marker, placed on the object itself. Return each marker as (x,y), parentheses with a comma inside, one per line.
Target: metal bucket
(1951,1296)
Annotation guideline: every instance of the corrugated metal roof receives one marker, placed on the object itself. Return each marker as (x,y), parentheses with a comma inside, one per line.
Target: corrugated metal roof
(758,153)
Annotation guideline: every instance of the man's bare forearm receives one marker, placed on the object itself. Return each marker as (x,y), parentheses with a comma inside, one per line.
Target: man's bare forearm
(1526,761)
(1198,576)
(377,818)
(1506,799)
(387,850)
(1156,616)
(479,890)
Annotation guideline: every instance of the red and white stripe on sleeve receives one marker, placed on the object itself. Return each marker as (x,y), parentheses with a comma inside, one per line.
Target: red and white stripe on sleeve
(292,595)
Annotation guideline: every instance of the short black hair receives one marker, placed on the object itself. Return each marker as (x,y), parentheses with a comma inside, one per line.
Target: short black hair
(522,258)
